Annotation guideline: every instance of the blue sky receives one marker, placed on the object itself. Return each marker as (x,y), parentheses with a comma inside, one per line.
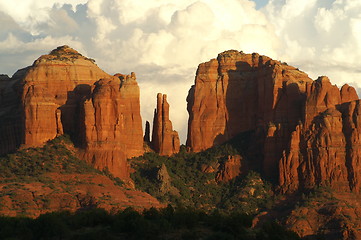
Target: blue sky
(260,3)
(163,41)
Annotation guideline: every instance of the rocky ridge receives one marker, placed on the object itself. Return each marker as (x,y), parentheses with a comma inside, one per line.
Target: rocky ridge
(307,130)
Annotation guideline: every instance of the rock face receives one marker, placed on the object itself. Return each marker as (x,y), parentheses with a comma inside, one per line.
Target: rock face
(230,169)
(52,89)
(165,140)
(112,124)
(308,131)
(66,93)
(146,137)
(324,149)
(326,153)
(243,92)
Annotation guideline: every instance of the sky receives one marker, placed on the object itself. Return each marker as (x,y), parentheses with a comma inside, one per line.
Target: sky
(163,41)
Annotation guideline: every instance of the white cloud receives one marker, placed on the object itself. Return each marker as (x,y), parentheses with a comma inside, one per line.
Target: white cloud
(163,41)
(320,37)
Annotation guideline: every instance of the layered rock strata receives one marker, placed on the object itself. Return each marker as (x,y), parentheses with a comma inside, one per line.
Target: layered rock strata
(66,93)
(112,124)
(324,149)
(308,131)
(240,92)
(165,140)
(51,91)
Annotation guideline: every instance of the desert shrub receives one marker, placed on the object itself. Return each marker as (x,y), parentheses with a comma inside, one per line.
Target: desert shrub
(180,223)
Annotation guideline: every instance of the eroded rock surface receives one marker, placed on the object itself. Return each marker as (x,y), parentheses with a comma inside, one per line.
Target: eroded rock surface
(307,132)
(112,124)
(230,169)
(64,92)
(165,140)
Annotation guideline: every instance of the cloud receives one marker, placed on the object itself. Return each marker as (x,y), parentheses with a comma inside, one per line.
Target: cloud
(164,41)
(320,37)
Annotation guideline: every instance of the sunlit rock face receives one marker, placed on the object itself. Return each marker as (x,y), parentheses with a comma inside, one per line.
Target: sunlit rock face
(307,132)
(165,140)
(239,92)
(112,125)
(66,93)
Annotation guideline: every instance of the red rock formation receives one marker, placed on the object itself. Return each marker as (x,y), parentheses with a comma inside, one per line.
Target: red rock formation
(48,99)
(112,124)
(230,169)
(241,92)
(238,92)
(146,137)
(165,140)
(52,89)
(308,131)
(321,95)
(325,150)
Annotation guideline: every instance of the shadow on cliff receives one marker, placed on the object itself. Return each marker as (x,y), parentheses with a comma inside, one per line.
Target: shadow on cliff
(240,116)
(71,113)
(250,108)
(12,120)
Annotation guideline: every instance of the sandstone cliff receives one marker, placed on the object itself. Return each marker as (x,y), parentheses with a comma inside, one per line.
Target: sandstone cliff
(52,89)
(240,92)
(229,169)
(307,131)
(66,93)
(112,124)
(324,149)
(165,140)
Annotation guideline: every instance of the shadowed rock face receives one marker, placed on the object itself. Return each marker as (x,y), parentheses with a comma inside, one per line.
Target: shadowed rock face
(165,140)
(65,92)
(242,92)
(230,169)
(308,131)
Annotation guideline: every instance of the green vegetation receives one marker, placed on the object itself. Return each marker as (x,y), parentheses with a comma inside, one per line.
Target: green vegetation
(248,193)
(62,55)
(31,163)
(316,197)
(167,223)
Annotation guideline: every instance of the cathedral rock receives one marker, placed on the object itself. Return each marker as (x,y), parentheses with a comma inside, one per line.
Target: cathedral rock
(65,92)
(307,132)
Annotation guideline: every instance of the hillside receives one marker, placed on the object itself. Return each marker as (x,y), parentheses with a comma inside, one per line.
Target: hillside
(51,178)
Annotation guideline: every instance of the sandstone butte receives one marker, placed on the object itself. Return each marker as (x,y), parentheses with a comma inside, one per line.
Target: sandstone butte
(165,140)
(304,133)
(65,92)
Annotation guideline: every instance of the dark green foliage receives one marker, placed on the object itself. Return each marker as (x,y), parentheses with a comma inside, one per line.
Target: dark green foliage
(116,180)
(33,162)
(62,55)
(167,223)
(249,195)
(199,189)
(274,231)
